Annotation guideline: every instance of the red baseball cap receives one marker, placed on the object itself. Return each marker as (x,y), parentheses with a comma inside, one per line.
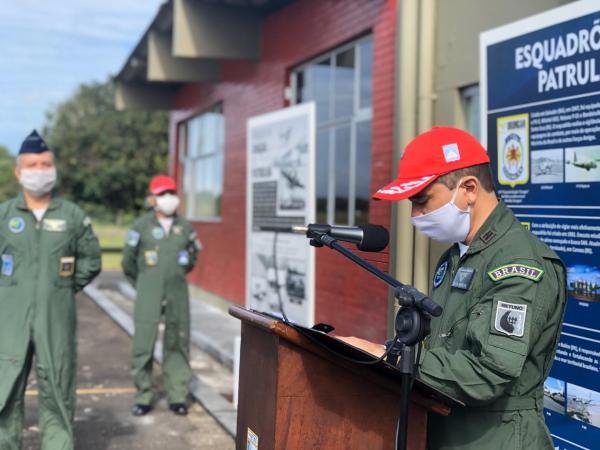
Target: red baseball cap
(430,155)
(162,183)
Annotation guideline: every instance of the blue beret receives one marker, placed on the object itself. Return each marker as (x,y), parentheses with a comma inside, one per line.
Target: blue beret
(33,144)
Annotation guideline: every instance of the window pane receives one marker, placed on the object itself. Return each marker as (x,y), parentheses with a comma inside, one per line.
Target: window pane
(193,137)
(363,172)
(366,74)
(342,174)
(470,102)
(210,136)
(203,167)
(318,83)
(344,84)
(300,87)
(322,160)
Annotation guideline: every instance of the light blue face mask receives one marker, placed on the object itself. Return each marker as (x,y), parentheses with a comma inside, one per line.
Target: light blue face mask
(448,223)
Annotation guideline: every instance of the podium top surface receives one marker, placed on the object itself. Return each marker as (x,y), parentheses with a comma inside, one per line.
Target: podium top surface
(331,347)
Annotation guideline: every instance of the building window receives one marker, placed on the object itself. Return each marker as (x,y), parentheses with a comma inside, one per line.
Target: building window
(469,97)
(202,161)
(340,83)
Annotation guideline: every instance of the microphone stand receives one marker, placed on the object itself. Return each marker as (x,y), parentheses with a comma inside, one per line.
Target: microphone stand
(412,325)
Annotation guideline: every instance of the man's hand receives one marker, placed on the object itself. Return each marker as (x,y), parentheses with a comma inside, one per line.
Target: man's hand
(369,347)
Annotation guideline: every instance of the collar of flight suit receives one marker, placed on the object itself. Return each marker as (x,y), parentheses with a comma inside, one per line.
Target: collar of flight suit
(494,227)
(22,204)
(176,220)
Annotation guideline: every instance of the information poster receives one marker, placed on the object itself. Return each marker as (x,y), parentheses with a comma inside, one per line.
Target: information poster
(280,183)
(540,94)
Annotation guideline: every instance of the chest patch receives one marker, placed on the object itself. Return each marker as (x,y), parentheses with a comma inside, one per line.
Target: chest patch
(463,278)
(16,225)
(177,229)
(516,270)
(158,233)
(55,225)
(510,319)
(151,257)
(440,274)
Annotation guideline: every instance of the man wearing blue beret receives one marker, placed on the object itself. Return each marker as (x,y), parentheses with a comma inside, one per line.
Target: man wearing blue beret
(48,252)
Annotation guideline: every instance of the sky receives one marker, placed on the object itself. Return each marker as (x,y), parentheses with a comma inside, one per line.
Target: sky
(49,47)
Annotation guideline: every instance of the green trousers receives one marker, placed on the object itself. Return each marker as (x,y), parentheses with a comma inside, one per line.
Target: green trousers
(56,403)
(175,366)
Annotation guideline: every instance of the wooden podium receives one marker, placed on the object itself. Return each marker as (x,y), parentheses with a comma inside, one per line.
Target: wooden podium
(295,394)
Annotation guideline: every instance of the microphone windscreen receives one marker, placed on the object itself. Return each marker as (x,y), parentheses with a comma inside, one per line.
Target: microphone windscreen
(375,238)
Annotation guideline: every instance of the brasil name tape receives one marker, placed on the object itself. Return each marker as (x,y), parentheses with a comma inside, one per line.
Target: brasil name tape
(516,270)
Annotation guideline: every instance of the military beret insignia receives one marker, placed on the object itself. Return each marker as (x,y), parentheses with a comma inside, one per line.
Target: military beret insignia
(516,270)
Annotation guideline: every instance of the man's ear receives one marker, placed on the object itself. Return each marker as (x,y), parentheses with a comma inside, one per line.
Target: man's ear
(473,188)
(17,172)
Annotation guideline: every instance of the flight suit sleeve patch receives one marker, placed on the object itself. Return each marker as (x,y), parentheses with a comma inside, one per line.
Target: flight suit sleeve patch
(516,270)
(133,238)
(509,318)
(7,265)
(87,221)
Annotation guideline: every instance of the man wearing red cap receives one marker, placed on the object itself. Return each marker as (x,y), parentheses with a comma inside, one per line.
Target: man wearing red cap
(161,249)
(503,292)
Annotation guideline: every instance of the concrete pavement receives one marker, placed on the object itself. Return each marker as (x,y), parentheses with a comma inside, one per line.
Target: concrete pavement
(105,396)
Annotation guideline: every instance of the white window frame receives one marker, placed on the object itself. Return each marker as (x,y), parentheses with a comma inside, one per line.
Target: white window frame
(359,115)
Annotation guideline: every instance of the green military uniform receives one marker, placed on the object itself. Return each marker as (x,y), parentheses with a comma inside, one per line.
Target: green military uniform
(493,346)
(43,264)
(156,264)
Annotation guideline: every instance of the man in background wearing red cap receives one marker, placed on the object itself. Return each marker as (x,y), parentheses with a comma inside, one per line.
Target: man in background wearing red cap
(161,249)
(503,292)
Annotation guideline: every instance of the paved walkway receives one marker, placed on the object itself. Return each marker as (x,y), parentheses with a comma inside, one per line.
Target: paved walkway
(105,396)
(213,335)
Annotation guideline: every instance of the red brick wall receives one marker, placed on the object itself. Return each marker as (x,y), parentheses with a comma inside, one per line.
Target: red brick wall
(347,297)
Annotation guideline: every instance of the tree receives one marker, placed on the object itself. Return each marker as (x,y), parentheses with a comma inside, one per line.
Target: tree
(8,184)
(106,157)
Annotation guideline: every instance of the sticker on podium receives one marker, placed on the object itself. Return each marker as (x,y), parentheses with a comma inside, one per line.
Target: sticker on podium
(252,440)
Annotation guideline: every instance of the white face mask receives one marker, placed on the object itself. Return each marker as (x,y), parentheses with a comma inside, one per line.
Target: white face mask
(446,224)
(167,204)
(38,182)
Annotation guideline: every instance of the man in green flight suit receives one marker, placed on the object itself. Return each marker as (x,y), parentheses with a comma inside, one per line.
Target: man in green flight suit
(503,292)
(161,249)
(48,252)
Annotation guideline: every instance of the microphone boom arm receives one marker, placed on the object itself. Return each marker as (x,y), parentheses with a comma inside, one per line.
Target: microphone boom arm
(406,295)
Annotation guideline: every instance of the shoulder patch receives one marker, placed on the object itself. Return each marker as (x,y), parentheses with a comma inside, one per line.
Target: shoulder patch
(516,270)
(133,238)
(510,319)
(87,221)
(440,273)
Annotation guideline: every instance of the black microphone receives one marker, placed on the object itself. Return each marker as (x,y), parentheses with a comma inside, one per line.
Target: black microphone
(368,238)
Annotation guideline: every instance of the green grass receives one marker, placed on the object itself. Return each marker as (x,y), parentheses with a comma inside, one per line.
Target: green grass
(111,236)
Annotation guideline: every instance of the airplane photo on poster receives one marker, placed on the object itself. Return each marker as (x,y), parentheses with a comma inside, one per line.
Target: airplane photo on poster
(583,404)
(582,164)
